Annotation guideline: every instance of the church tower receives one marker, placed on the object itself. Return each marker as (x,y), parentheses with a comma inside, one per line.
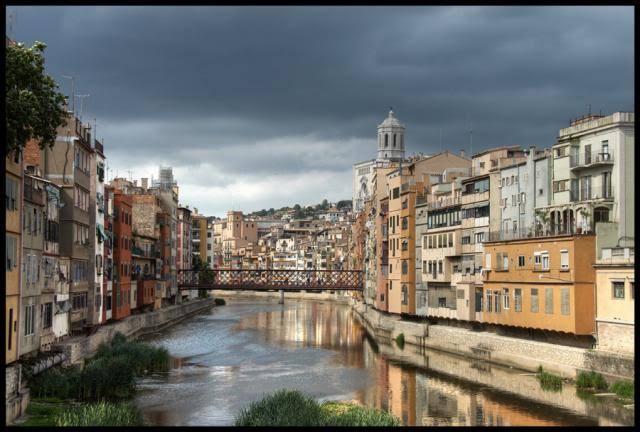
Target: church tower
(391,139)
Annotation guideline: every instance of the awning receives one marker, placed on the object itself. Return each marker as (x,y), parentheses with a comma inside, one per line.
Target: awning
(101,232)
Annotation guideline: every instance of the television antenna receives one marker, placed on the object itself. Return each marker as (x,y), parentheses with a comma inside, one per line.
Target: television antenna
(81,103)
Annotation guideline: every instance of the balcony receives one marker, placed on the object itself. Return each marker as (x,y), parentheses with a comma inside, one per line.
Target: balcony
(474,197)
(443,202)
(591,193)
(590,159)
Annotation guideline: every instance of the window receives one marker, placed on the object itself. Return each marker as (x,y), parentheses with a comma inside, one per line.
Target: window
(505,298)
(513,200)
(396,193)
(442,302)
(79,301)
(521,261)
(561,185)
(496,301)
(440,267)
(479,237)
(108,303)
(564,301)
(405,223)
(564,260)
(618,289)
(505,261)
(548,300)
(561,151)
(81,198)
(81,234)
(534,300)
(12,252)
(517,299)
(9,331)
(450,239)
(545,261)
(29,320)
(405,295)
(47,315)
(487,260)
(405,267)
(489,302)
(11,196)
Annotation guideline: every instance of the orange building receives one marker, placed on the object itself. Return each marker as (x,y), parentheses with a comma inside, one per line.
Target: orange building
(122,244)
(542,283)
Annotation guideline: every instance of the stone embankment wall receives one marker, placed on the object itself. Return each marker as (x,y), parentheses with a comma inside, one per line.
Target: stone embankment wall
(78,348)
(17,395)
(513,352)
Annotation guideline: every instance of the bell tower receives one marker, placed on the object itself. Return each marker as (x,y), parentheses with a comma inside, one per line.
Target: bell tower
(391,139)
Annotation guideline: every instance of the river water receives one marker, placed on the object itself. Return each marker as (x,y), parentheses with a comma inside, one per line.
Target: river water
(224,359)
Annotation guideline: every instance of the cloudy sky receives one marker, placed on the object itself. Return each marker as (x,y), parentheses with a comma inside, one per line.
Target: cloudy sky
(258,107)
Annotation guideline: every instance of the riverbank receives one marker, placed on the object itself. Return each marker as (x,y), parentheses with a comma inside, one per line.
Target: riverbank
(77,349)
(275,295)
(524,354)
(449,352)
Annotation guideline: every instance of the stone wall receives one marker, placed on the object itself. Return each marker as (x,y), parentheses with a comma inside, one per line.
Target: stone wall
(17,395)
(522,354)
(324,296)
(78,348)
(616,337)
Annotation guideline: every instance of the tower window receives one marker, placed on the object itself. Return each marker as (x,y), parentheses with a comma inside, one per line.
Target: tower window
(386,140)
(394,140)
(401,141)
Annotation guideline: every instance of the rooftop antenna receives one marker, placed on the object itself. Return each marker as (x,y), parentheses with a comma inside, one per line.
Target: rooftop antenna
(81,103)
(130,175)
(73,92)
(12,20)
(470,139)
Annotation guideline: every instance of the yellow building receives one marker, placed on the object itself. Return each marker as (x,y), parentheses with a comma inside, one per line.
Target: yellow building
(615,299)
(544,283)
(13,229)
(199,236)
(406,185)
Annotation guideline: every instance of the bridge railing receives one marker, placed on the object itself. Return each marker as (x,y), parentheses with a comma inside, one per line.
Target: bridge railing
(271,279)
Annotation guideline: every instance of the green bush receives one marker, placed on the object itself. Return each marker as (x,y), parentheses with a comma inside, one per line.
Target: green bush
(549,381)
(293,408)
(219,301)
(110,374)
(344,414)
(591,380)
(101,414)
(400,340)
(623,389)
(282,408)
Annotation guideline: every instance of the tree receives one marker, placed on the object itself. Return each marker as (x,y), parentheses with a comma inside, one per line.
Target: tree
(296,207)
(35,109)
(325,204)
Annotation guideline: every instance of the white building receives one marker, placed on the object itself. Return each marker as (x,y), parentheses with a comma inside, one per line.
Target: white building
(391,138)
(99,237)
(593,175)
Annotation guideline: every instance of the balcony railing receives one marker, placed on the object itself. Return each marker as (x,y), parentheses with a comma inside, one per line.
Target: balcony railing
(585,159)
(444,202)
(591,193)
(531,232)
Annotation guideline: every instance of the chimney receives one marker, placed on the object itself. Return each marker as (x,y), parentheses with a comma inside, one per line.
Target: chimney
(462,153)
(144,182)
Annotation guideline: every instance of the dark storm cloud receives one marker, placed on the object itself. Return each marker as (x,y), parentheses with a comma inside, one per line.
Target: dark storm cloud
(244,95)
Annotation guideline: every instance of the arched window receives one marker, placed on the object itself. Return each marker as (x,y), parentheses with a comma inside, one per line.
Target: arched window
(394,140)
(386,140)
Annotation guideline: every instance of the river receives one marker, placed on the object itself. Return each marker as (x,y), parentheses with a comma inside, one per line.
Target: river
(224,359)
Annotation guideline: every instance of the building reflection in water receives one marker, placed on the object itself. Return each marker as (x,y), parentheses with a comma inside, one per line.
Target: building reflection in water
(409,393)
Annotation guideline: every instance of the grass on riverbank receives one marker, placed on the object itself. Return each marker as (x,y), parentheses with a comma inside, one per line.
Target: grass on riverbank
(624,389)
(400,340)
(51,412)
(293,408)
(591,380)
(109,375)
(549,381)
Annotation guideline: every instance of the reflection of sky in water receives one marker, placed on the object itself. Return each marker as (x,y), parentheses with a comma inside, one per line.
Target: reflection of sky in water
(241,351)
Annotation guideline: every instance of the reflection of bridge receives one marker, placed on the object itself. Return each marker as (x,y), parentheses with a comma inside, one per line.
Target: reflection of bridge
(264,280)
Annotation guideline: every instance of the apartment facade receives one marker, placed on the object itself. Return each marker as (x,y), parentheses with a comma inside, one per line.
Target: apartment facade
(122,244)
(34,323)
(13,240)
(68,164)
(592,172)
(98,236)
(544,283)
(615,299)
